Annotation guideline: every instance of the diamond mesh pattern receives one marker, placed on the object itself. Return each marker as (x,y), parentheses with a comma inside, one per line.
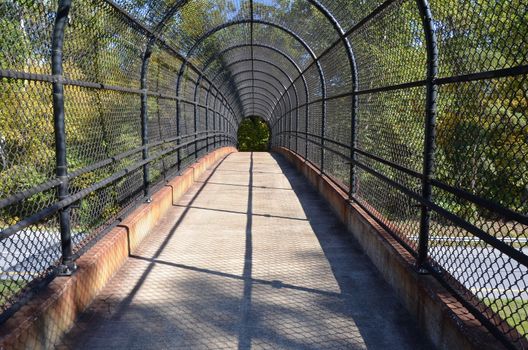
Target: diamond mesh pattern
(149,87)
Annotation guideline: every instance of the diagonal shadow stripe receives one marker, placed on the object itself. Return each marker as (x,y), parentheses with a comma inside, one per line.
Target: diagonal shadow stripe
(274,283)
(244,331)
(237,185)
(241,212)
(127,301)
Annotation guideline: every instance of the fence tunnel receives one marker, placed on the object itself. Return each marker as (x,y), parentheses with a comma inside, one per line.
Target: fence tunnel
(417,109)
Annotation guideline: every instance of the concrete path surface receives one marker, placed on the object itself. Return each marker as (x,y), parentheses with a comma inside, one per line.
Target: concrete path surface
(250,258)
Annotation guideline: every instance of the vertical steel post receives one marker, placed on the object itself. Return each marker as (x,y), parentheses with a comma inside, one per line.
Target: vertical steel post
(179,115)
(281,130)
(323,114)
(220,120)
(226,130)
(220,124)
(227,123)
(353,119)
(353,72)
(296,116)
(296,124)
(160,126)
(306,118)
(353,141)
(289,120)
(67,265)
(214,120)
(283,125)
(223,123)
(430,131)
(144,117)
(252,58)
(207,115)
(283,120)
(195,123)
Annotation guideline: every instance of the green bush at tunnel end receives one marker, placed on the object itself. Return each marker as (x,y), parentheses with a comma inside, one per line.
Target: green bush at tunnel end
(253,135)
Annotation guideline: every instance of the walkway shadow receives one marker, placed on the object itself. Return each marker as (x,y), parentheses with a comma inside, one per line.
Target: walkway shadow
(382,320)
(244,334)
(214,308)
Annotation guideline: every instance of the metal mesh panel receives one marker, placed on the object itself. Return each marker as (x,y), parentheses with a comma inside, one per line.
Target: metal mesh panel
(271,36)
(100,46)
(199,17)
(338,136)
(149,15)
(477,234)
(26,35)
(480,36)
(163,72)
(348,14)
(402,59)
(26,148)
(101,97)
(277,58)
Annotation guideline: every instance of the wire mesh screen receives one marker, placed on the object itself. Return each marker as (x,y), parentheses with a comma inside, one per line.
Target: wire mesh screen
(457,202)
(126,125)
(416,108)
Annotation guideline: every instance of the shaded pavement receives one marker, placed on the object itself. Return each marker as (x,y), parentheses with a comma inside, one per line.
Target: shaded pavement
(250,258)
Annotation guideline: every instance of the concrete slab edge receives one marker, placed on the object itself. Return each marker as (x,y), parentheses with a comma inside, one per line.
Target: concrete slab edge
(43,321)
(443,319)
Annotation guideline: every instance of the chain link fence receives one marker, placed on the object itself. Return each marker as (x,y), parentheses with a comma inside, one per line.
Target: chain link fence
(416,108)
(420,113)
(91,121)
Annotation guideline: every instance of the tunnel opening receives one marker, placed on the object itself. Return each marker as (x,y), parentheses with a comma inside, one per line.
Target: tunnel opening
(253,135)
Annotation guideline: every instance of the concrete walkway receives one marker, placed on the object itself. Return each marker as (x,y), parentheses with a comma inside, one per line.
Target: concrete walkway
(250,258)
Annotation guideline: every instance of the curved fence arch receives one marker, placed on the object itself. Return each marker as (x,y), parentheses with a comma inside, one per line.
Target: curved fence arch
(416,108)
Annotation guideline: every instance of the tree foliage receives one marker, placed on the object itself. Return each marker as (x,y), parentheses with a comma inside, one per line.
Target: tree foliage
(253,135)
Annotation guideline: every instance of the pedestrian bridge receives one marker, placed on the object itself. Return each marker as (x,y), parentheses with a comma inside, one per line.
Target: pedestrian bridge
(250,257)
(389,211)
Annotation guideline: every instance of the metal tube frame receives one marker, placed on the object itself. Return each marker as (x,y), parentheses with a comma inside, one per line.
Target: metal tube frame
(277,112)
(430,131)
(67,265)
(287,57)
